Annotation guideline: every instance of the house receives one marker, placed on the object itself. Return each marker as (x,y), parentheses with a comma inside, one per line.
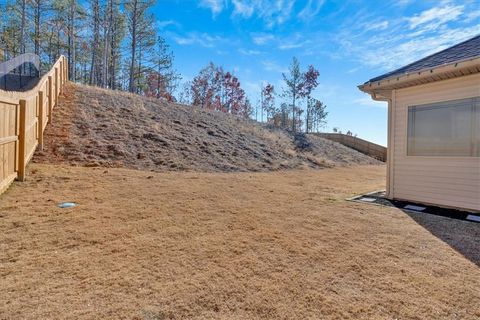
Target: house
(434,127)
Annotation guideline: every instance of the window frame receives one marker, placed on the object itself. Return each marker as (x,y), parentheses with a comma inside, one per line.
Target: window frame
(475,105)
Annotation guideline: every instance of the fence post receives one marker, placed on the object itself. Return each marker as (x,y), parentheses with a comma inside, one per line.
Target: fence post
(22,141)
(61,77)
(50,99)
(56,86)
(66,69)
(40,119)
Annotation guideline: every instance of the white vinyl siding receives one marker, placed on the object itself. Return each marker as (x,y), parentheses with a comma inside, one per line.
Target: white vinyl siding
(452,181)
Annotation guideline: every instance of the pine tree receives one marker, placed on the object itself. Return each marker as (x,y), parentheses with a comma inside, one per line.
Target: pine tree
(117,34)
(75,14)
(139,23)
(310,83)
(92,36)
(39,8)
(295,82)
(95,63)
(163,79)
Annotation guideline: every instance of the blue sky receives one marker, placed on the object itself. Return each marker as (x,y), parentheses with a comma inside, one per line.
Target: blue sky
(348,41)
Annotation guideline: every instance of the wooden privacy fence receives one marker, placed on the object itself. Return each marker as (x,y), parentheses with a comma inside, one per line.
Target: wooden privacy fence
(371,149)
(23,118)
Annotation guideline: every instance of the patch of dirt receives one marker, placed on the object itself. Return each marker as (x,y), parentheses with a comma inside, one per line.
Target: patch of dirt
(278,245)
(96,127)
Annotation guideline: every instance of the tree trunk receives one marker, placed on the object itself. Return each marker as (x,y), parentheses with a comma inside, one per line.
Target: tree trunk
(71,41)
(293,113)
(133,47)
(106,43)
(112,76)
(94,65)
(38,4)
(23,26)
(105,59)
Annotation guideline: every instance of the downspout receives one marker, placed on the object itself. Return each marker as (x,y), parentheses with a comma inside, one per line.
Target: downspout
(390,147)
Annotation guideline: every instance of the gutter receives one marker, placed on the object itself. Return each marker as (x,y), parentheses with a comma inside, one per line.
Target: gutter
(379,90)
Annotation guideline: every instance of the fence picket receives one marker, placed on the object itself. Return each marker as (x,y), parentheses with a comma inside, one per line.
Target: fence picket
(40,119)
(22,140)
(26,115)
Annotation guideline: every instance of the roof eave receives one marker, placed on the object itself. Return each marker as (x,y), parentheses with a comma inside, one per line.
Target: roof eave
(424,76)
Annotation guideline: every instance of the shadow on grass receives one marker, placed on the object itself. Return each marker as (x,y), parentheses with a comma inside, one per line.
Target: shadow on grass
(463,236)
(449,225)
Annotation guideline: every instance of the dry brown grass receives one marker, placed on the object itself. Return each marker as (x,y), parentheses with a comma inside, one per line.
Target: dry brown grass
(283,245)
(97,127)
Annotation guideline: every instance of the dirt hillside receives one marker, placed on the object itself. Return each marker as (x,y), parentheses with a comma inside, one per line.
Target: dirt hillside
(96,127)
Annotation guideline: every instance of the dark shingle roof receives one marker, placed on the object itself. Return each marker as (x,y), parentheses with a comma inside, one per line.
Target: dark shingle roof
(462,51)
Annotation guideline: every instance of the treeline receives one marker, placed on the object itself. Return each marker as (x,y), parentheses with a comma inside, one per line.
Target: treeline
(215,89)
(108,43)
(115,44)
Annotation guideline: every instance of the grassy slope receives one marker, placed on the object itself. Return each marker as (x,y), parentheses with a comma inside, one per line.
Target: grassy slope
(101,127)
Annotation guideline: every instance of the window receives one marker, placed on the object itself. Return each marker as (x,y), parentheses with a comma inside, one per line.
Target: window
(450,128)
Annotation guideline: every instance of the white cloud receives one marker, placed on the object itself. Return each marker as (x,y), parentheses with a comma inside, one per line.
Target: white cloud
(292,45)
(216,6)
(311,9)
(242,8)
(368,102)
(273,66)
(202,39)
(289,46)
(283,11)
(184,40)
(382,25)
(436,16)
(471,16)
(389,44)
(402,3)
(273,12)
(402,53)
(249,52)
(261,39)
(293,41)
(166,23)
(353,70)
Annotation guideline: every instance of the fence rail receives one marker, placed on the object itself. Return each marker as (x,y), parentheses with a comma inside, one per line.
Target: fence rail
(371,149)
(23,119)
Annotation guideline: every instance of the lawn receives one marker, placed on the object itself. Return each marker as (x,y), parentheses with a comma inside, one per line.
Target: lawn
(282,245)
